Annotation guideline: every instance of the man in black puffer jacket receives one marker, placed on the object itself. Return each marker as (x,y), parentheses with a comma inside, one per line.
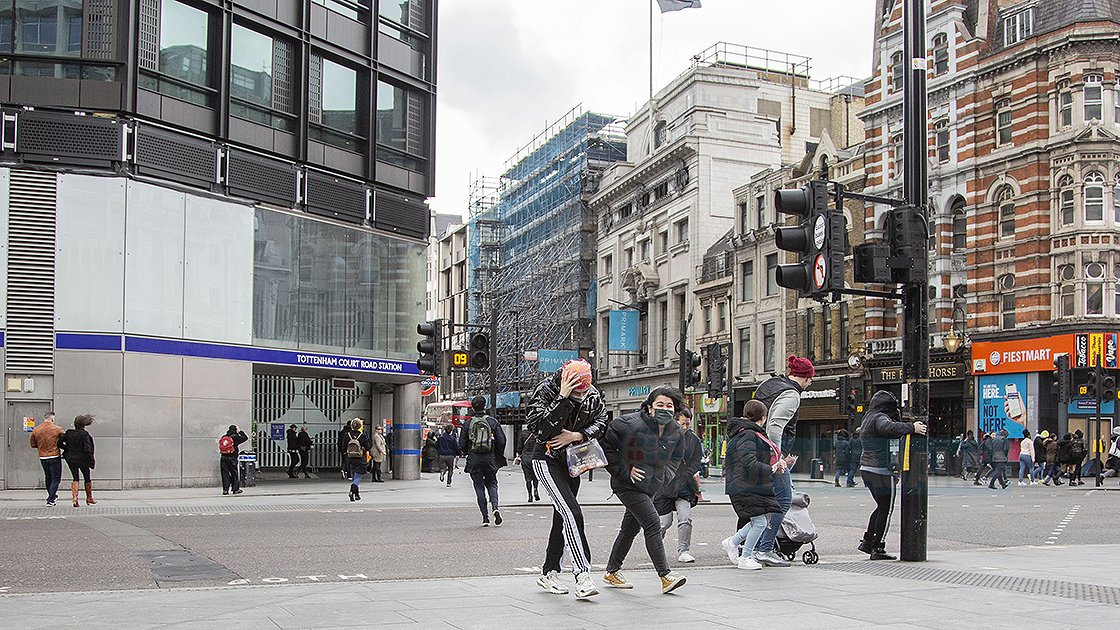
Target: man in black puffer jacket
(881,424)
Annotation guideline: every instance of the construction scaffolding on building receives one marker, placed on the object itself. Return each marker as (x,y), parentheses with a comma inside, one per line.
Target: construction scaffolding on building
(532,248)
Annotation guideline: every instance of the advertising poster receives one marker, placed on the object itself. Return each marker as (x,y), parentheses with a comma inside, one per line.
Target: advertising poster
(1003,404)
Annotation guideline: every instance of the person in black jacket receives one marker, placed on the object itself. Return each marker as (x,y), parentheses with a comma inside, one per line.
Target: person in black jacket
(681,494)
(1077,455)
(881,424)
(303,444)
(842,447)
(998,448)
(293,451)
(77,447)
(856,447)
(565,409)
(970,455)
(644,451)
(749,468)
(354,445)
(231,479)
(484,442)
(525,460)
(448,448)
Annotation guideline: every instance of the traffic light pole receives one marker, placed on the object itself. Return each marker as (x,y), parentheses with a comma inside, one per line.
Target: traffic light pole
(915,343)
(685,367)
(494,362)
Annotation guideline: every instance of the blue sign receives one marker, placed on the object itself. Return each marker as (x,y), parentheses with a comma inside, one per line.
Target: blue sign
(1003,404)
(634,392)
(276,431)
(623,335)
(552,360)
(509,400)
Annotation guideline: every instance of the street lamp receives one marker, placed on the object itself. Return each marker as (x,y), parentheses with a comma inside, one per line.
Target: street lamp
(952,340)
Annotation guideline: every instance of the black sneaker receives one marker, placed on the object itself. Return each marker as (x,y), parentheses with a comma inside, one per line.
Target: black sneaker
(238,491)
(485,522)
(880,554)
(226,492)
(497,518)
(50,503)
(866,547)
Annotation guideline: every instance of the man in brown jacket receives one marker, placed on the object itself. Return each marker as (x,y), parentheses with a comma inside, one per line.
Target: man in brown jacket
(45,438)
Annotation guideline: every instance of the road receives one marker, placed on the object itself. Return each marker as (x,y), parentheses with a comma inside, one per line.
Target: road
(324,538)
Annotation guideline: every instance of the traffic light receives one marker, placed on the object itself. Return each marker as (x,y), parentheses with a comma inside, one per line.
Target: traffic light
(893,260)
(716,367)
(480,350)
(1061,383)
(847,396)
(692,368)
(820,241)
(1092,384)
(430,347)
(1108,385)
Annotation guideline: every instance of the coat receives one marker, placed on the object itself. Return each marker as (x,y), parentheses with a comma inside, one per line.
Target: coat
(377,447)
(881,424)
(303,442)
(344,438)
(632,441)
(77,446)
(496,458)
(549,414)
(1052,451)
(748,476)
(970,453)
(45,438)
(683,485)
(998,448)
(293,440)
(842,447)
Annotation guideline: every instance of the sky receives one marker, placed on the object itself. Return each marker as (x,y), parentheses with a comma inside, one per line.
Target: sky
(507,69)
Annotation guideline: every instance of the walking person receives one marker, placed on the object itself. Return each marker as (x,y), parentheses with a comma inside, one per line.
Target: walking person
(448,448)
(998,449)
(484,442)
(985,452)
(644,451)
(1040,456)
(782,396)
(842,450)
(1077,453)
(856,446)
(377,453)
(1052,473)
(751,463)
(682,493)
(44,438)
(355,445)
(565,409)
(525,460)
(228,446)
(1026,459)
(293,451)
(881,424)
(77,447)
(303,445)
(1065,457)
(970,455)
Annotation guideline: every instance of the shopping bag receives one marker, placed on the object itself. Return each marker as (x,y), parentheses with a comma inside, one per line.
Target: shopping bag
(584,457)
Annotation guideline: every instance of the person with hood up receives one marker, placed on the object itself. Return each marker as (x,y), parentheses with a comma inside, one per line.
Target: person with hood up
(565,409)
(749,469)
(970,455)
(998,446)
(484,442)
(1077,453)
(1052,473)
(1065,457)
(881,423)
(842,448)
(644,451)
(228,445)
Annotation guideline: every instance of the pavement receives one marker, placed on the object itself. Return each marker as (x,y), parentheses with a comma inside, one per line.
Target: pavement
(996,588)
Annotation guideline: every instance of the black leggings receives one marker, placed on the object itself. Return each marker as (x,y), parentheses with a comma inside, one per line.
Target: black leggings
(882,490)
(75,468)
(567,518)
(530,481)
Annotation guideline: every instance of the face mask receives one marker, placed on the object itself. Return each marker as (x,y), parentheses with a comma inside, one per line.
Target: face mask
(663,416)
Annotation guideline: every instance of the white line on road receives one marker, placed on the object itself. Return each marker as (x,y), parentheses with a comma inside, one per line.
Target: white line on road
(4,589)
(1061,527)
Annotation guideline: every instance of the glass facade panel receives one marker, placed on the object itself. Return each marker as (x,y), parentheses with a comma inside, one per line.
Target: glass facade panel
(401,132)
(410,13)
(338,95)
(256,86)
(44,27)
(324,286)
(184,34)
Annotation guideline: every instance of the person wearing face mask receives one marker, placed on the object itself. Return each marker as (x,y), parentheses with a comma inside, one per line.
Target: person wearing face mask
(644,450)
(565,409)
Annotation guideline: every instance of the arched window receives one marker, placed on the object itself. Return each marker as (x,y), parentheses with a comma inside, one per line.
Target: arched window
(660,133)
(1005,201)
(898,72)
(941,135)
(1065,200)
(960,225)
(940,54)
(1094,197)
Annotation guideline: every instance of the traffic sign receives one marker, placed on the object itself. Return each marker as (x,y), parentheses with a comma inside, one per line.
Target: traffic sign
(820,266)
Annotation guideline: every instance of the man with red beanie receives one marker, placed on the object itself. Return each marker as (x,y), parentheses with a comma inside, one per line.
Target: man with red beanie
(781,394)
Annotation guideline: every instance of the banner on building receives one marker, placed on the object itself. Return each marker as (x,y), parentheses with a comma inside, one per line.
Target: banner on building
(552,360)
(1003,404)
(623,331)
(1096,349)
(1081,351)
(1110,341)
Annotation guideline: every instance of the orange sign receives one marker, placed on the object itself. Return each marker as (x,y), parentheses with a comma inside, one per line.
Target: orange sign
(1024,355)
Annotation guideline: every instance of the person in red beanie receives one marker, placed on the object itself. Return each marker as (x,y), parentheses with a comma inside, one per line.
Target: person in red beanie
(781,394)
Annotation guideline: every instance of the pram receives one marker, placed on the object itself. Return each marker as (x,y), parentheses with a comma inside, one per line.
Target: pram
(798,530)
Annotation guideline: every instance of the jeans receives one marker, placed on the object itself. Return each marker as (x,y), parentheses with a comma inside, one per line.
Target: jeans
(749,534)
(485,480)
(230,478)
(683,510)
(448,464)
(640,516)
(357,471)
(52,475)
(1026,467)
(783,492)
(882,491)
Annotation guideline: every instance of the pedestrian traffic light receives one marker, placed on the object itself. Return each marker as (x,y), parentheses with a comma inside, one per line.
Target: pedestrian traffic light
(430,347)
(820,241)
(715,365)
(480,350)
(693,377)
(847,396)
(908,239)
(1061,383)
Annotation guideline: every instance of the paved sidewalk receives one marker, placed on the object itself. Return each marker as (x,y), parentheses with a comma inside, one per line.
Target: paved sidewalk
(997,586)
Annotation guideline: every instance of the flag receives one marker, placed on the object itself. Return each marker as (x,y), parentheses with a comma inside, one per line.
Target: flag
(677,5)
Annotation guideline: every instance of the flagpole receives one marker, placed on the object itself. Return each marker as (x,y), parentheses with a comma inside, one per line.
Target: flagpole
(651,108)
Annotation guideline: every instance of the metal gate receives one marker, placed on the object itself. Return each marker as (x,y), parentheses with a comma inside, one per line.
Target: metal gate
(312,402)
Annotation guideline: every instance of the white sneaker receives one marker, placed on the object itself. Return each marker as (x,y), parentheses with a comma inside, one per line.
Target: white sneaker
(732,550)
(551,583)
(584,586)
(749,564)
(686,557)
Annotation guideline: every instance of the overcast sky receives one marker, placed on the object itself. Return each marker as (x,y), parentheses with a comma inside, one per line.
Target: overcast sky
(509,68)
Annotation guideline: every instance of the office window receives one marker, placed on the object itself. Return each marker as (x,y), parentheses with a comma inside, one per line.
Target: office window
(41,27)
(810,335)
(1065,200)
(898,72)
(760,208)
(1007,311)
(1065,108)
(1003,122)
(682,231)
(608,266)
(333,105)
(771,274)
(1094,197)
(1067,300)
(844,342)
(1093,97)
(682,312)
(1018,27)
(746,274)
(352,9)
(182,69)
(1116,105)
(895,148)
(409,13)
(1094,298)
(1116,299)
(261,78)
(744,350)
(940,54)
(402,132)
(1006,203)
(744,219)
(826,337)
(721,310)
(708,320)
(663,321)
(768,348)
(941,131)
(629,253)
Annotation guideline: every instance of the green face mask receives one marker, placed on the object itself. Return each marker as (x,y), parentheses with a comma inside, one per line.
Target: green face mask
(663,416)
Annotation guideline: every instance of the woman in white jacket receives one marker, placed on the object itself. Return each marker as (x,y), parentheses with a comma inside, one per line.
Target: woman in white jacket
(1026,460)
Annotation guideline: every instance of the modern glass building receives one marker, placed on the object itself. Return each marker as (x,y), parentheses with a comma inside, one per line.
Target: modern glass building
(212,213)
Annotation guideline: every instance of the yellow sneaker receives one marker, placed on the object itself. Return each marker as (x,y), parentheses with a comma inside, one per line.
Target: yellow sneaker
(671,582)
(615,580)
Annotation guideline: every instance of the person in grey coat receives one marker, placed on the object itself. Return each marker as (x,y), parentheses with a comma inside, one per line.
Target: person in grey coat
(998,453)
(970,455)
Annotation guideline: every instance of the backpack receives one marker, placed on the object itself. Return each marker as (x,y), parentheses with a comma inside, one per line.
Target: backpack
(354,448)
(1078,449)
(226,445)
(482,438)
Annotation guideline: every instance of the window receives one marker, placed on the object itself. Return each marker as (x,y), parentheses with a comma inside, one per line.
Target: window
(1005,201)
(826,329)
(1065,109)
(1003,122)
(349,8)
(1018,27)
(682,231)
(661,190)
(663,321)
(663,241)
(940,54)
(721,310)
(402,132)
(771,274)
(183,67)
(1116,105)
(744,218)
(1093,97)
(1067,300)
(1007,311)
(747,275)
(844,344)
(608,266)
(643,338)
(744,350)
(625,211)
(1116,299)
(760,209)
(768,348)
(1065,200)
(682,313)
(941,131)
(1094,298)
(643,251)
(898,72)
(409,13)
(896,155)
(660,133)
(708,319)
(41,27)
(960,228)
(1116,205)
(261,73)
(629,251)
(333,105)
(810,335)
(1094,197)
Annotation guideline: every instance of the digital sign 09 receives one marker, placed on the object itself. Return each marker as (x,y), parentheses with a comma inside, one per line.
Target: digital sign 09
(460,359)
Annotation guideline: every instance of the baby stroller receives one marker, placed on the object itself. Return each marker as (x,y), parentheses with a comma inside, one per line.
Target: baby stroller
(798,530)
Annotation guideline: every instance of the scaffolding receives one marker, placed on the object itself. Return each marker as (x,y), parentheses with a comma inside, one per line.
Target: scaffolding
(532,245)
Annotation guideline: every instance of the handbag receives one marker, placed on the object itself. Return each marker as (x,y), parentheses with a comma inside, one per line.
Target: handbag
(585,456)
